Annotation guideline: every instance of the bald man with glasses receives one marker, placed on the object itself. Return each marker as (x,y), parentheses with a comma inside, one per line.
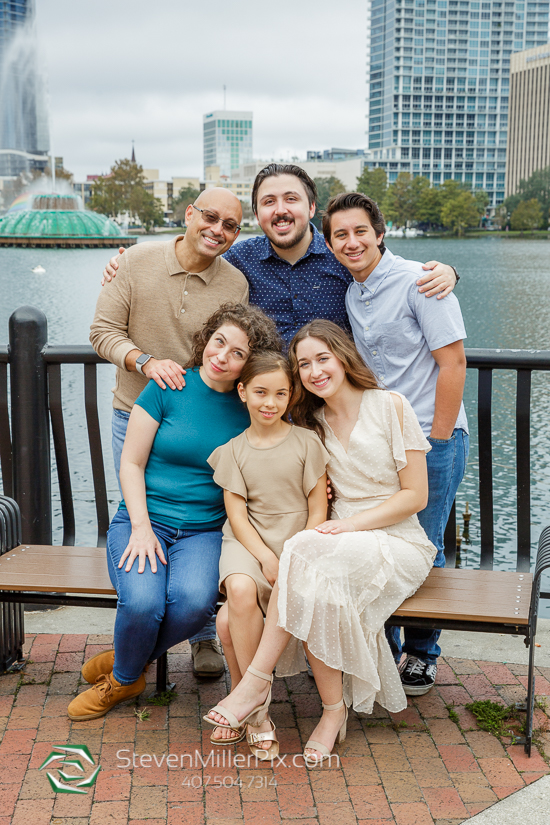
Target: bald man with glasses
(145,321)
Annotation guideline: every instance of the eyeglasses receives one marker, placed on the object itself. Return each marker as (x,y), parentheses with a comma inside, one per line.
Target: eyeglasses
(212,219)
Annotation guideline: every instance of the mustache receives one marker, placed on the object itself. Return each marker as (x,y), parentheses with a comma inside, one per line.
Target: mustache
(288,218)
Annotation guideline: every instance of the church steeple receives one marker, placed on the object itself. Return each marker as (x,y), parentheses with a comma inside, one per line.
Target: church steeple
(133,153)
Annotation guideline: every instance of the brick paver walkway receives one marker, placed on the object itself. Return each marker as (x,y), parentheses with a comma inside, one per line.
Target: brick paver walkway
(420,767)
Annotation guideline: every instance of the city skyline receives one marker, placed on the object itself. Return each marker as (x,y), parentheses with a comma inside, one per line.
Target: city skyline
(119,75)
(440,80)
(103,97)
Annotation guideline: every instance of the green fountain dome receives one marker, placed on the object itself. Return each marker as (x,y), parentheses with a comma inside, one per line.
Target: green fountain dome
(52,219)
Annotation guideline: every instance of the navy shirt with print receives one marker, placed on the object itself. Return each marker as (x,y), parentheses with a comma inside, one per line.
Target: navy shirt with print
(293,294)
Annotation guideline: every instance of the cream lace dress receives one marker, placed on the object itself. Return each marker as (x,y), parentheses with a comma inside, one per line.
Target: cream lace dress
(336,592)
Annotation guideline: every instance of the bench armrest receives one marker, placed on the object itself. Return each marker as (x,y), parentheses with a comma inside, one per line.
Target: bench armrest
(10,524)
(542,563)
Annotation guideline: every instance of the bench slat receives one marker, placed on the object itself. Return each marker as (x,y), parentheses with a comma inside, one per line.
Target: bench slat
(41,568)
(465,611)
(472,595)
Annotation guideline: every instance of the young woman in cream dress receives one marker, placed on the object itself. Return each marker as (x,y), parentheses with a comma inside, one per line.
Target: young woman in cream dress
(339,583)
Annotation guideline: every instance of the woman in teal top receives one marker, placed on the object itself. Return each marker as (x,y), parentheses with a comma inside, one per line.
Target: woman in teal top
(163,545)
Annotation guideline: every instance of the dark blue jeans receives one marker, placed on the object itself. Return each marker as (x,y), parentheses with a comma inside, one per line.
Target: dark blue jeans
(446,464)
(119,427)
(158,610)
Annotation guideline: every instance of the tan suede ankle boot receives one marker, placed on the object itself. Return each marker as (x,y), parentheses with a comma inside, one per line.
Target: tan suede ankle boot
(104,695)
(98,665)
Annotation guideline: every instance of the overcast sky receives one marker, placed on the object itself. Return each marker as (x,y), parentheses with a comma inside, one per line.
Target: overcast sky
(135,69)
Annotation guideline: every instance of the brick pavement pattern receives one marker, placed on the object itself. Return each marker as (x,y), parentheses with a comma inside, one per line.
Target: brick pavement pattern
(429,765)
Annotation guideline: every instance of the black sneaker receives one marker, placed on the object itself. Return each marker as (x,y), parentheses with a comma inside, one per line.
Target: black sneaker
(417,676)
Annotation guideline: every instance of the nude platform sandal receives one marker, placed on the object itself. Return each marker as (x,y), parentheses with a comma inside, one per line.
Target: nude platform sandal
(258,714)
(313,761)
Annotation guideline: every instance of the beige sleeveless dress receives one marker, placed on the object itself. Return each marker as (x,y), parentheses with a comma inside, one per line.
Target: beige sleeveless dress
(275,483)
(336,592)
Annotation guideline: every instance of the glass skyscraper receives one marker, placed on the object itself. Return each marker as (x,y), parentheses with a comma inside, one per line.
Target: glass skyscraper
(439,86)
(227,140)
(24,132)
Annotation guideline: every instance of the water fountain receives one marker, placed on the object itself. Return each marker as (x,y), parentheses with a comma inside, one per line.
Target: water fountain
(42,218)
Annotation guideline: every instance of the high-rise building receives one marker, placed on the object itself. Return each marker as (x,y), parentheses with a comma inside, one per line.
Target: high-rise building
(227,140)
(439,86)
(529,118)
(24,132)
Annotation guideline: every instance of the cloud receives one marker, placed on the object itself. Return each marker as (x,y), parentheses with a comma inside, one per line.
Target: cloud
(120,70)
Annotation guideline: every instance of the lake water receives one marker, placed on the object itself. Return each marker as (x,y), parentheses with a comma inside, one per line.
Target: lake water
(504,293)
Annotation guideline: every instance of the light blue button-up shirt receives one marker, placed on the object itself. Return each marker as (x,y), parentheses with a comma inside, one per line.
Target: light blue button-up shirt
(395,328)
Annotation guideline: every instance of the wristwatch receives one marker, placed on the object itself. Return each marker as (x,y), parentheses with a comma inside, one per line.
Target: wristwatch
(141,360)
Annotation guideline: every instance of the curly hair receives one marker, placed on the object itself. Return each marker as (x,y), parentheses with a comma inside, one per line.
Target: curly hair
(304,404)
(261,330)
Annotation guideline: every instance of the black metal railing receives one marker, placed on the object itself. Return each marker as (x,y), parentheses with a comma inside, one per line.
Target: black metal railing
(37,402)
(523,363)
(54,357)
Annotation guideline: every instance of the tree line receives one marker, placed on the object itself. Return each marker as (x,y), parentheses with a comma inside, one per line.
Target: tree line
(123,191)
(451,206)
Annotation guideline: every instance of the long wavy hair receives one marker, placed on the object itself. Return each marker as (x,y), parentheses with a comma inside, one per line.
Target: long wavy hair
(261,330)
(304,404)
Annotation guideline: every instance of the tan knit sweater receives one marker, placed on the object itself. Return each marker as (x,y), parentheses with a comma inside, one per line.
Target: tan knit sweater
(156,306)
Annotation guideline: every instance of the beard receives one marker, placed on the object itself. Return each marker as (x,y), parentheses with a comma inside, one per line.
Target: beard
(290,241)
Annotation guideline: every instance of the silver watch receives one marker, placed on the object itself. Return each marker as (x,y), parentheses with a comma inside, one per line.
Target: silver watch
(141,360)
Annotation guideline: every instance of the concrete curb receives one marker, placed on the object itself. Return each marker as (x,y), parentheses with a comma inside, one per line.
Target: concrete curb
(531,804)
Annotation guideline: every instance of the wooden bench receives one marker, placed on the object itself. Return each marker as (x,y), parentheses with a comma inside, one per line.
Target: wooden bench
(50,575)
(483,601)
(486,601)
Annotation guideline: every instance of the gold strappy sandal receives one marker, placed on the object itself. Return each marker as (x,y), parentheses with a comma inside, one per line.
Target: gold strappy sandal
(255,739)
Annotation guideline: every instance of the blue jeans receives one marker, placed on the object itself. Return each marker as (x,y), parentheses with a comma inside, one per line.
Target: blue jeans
(158,610)
(446,465)
(118,427)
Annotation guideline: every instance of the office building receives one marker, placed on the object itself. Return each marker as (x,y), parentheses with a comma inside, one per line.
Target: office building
(335,154)
(440,84)
(167,190)
(241,187)
(227,140)
(529,117)
(24,132)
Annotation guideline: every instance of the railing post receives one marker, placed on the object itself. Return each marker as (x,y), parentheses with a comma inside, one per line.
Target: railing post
(30,424)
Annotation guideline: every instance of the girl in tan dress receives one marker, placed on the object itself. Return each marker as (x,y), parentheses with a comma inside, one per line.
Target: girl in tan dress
(339,583)
(274,482)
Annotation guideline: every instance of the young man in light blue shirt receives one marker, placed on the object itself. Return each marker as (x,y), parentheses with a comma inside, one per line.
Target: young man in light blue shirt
(415,347)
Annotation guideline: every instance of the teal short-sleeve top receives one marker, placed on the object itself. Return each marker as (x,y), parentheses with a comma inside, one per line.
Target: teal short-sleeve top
(180,488)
